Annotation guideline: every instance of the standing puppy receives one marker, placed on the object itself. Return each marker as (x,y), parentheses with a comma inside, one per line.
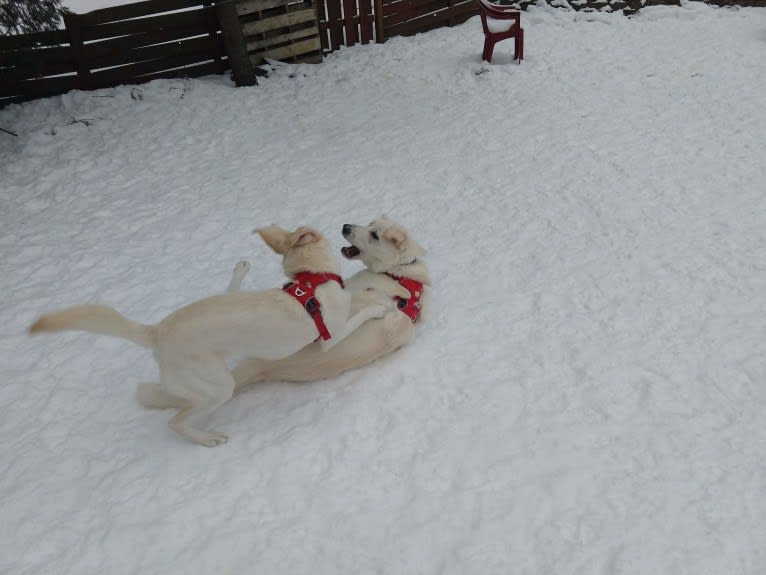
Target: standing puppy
(191,345)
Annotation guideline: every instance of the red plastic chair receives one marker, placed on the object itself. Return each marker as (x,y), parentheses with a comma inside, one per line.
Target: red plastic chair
(491,12)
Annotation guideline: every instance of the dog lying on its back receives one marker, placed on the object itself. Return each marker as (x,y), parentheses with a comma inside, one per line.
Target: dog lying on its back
(191,345)
(395,272)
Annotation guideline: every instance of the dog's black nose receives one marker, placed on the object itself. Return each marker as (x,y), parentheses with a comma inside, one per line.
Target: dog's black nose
(346,229)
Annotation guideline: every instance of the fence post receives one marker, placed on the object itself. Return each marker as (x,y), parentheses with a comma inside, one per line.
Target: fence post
(74,29)
(212,27)
(241,67)
(380,35)
(349,12)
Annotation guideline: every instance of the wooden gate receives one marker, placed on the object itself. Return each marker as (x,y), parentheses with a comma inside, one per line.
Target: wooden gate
(349,22)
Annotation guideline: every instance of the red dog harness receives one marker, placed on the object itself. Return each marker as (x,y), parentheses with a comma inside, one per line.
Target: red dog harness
(411,306)
(302,288)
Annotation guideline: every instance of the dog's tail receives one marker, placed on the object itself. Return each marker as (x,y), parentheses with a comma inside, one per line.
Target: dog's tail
(96,319)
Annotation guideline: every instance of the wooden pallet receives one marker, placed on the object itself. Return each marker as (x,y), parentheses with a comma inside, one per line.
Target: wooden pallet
(255,30)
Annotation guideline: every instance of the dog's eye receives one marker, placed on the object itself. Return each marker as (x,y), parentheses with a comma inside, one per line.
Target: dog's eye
(374,235)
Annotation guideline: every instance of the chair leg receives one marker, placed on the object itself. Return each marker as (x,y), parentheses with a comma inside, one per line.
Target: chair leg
(520,45)
(489,49)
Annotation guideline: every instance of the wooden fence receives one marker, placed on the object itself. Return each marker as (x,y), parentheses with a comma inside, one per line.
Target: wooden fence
(135,43)
(407,17)
(138,42)
(126,44)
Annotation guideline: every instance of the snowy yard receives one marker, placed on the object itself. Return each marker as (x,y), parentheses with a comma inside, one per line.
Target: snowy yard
(587,396)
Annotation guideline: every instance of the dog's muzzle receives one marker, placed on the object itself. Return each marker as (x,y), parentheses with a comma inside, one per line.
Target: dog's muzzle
(351,251)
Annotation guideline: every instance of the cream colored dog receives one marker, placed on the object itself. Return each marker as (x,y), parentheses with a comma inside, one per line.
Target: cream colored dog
(391,258)
(191,345)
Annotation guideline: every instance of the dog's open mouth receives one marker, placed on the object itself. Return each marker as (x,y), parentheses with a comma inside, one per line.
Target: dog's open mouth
(350,251)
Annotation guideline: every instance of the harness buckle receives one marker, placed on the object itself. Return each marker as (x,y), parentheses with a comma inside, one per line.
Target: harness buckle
(312,305)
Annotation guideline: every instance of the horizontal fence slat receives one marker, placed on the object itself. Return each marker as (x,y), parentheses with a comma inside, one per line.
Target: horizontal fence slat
(463,12)
(126,74)
(4,101)
(50,38)
(22,57)
(418,7)
(155,23)
(253,6)
(39,88)
(274,23)
(135,10)
(431,7)
(103,48)
(194,71)
(392,7)
(437,10)
(260,45)
(460,13)
(204,44)
(287,52)
(35,68)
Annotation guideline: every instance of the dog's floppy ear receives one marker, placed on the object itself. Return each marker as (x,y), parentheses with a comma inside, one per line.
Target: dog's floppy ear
(275,237)
(397,236)
(304,235)
(402,241)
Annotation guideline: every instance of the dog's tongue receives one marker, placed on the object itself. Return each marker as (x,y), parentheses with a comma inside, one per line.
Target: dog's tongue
(350,251)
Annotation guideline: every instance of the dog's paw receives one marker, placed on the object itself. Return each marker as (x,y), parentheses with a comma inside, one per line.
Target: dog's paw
(378,311)
(241,269)
(212,438)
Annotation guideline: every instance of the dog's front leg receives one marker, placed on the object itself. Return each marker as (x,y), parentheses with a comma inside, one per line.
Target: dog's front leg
(370,312)
(239,273)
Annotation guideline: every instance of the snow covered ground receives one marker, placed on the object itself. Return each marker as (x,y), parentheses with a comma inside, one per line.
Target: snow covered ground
(586,398)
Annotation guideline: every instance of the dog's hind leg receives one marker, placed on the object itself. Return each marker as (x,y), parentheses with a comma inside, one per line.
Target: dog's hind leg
(152,395)
(239,273)
(207,385)
(249,370)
